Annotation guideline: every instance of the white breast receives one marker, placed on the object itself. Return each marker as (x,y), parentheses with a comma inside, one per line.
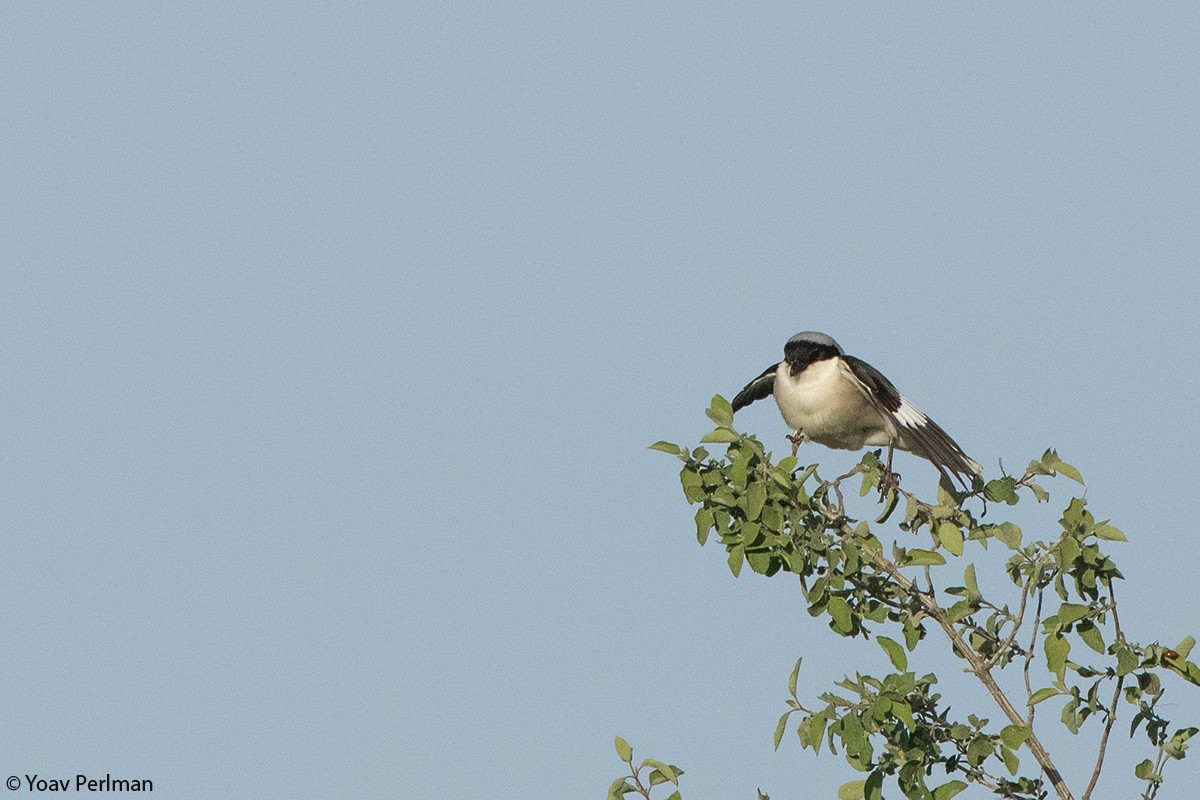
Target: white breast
(828,408)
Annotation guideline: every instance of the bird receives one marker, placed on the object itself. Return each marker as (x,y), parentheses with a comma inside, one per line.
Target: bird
(842,402)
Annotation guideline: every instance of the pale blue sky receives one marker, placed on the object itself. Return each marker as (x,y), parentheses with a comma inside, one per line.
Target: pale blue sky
(334,336)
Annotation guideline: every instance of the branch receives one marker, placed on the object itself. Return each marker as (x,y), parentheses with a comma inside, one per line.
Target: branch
(1037,621)
(1112,707)
(979,667)
(1160,764)
(1008,641)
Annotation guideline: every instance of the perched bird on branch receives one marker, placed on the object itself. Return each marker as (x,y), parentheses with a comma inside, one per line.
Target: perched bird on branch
(840,401)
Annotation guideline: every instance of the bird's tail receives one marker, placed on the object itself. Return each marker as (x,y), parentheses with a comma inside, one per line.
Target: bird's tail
(934,445)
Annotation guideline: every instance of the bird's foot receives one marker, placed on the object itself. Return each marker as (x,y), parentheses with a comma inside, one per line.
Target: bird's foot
(888,481)
(796,439)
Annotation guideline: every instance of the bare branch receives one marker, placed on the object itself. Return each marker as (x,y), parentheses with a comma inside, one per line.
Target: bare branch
(1037,620)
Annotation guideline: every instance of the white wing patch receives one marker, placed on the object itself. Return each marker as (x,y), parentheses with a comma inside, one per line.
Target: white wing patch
(909,415)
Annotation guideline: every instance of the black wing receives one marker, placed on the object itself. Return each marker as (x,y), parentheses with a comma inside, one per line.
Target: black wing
(880,387)
(919,435)
(757,389)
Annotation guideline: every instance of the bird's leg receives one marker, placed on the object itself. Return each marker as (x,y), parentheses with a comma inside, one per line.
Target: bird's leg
(888,480)
(796,439)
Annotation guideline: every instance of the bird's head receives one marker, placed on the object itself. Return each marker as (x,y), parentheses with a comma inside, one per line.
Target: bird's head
(808,346)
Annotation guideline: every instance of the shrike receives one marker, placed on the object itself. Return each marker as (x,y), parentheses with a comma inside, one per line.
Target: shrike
(843,402)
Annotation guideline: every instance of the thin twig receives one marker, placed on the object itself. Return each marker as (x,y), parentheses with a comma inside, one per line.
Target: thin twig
(1108,725)
(1159,765)
(1008,641)
(1037,620)
(642,790)
(1112,707)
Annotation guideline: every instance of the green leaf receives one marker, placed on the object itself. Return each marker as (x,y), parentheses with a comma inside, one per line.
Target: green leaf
(668,448)
(675,796)
(724,496)
(693,485)
(1001,490)
(894,652)
(759,561)
(1036,468)
(1072,518)
(815,730)
(950,537)
(839,610)
(979,750)
(971,583)
(1057,648)
(1177,745)
(873,788)
(1127,661)
(624,751)
(762,795)
(1011,762)
(948,790)
(912,633)
(854,736)
(1014,736)
(720,411)
(1144,770)
(1189,671)
(1071,612)
(917,557)
(1071,717)
(756,498)
(792,678)
(704,523)
(1091,636)
(1109,533)
(890,503)
(1010,534)
(772,518)
(1068,551)
(903,712)
(666,770)
(960,611)
(870,480)
(781,727)
(736,556)
(619,788)
(1051,461)
(1042,694)
(852,790)
(720,436)
(1184,648)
